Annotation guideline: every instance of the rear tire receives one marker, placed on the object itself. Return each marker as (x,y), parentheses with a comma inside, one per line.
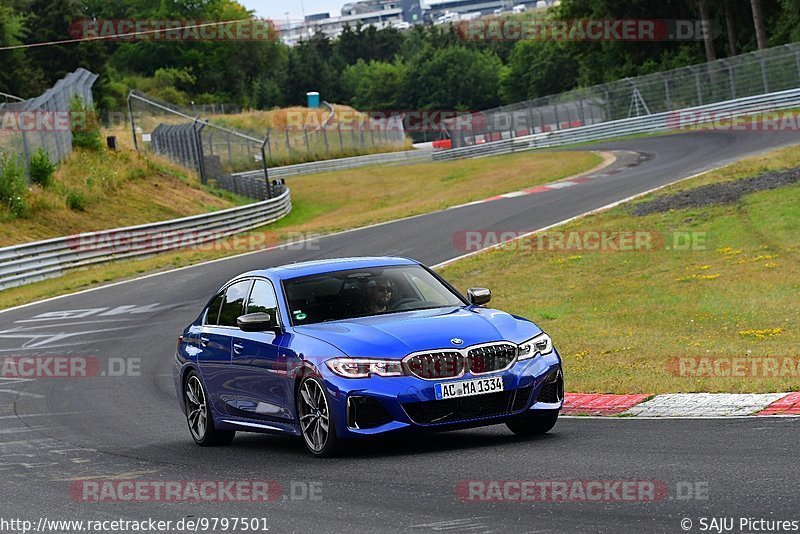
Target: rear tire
(533,425)
(198,415)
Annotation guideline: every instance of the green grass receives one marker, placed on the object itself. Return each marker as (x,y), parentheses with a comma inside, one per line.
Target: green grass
(97,190)
(620,318)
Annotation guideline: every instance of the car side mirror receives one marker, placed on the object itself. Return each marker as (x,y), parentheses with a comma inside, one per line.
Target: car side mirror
(258,322)
(478,296)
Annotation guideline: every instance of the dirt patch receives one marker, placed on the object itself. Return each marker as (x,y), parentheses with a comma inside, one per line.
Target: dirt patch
(722,193)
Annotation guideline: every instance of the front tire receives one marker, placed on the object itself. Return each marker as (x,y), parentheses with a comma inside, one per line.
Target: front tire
(198,415)
(534,424)
(316,421)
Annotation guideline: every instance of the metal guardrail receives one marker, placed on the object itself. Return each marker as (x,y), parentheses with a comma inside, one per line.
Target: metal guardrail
(315,167)
(31,262)
(658,122)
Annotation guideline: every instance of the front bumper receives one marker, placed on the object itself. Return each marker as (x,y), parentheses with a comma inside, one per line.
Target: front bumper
(378,405)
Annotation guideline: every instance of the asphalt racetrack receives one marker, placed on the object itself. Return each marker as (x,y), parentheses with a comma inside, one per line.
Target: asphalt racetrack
(56,432)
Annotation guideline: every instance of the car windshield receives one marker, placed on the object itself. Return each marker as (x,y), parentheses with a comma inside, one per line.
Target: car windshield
(343,295)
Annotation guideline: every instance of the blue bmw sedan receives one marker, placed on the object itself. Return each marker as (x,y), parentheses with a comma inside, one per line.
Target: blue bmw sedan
(333,350)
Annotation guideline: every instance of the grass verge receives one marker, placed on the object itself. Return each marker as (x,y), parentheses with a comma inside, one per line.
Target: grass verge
(324,203)
(106,189)
(625,322)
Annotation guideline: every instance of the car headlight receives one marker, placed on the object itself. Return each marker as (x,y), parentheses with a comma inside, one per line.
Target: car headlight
(364,367)
(538,346)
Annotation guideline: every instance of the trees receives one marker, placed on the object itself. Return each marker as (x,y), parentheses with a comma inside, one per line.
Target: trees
(426,67)
(17,76)
(453,78)
(537,69)
(758,23)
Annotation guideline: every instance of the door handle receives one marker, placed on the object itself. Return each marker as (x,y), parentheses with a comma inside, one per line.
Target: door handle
(204,341)
(237,348)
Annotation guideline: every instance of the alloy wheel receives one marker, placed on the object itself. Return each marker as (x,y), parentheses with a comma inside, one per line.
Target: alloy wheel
(314,414)
(196,408)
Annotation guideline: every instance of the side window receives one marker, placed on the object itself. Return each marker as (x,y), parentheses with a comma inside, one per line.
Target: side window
(233,303)
(212,312)
(263,300)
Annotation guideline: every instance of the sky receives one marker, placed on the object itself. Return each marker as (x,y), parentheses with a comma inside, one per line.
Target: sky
(276,9)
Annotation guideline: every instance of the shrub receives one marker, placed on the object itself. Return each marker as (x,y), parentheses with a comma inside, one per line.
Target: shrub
(85,125)
(13,185)
(41,168)
(76,201)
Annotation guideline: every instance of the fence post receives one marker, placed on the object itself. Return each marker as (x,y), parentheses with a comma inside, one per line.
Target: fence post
(697,86)
(531,121)
(581,113)
(266,167)
(797,59)
(731,76)
(666,94)
(764,74)
(325,137)
(269,147)
(288,142)
(133,121)
(608,104)
(201,164)
(558,120)
(341,140)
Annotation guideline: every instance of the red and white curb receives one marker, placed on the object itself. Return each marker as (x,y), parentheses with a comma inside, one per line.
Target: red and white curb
(614,163)
(682,404)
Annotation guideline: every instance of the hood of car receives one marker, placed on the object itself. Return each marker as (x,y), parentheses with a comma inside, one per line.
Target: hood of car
(399,334)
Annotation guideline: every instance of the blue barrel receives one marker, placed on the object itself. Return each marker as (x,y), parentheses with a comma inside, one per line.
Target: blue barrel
(313,99)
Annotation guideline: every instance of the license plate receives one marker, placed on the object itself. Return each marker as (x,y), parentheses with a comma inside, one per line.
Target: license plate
(468,388)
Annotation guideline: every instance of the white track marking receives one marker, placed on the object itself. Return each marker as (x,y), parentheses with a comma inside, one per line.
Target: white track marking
(704,404)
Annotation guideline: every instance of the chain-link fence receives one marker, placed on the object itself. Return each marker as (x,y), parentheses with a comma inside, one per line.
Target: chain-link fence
(45,121)
(760,72)
(217,150)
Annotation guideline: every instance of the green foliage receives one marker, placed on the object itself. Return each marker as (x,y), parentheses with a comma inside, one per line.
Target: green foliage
(41,168)
(375,85)
(537,69)
(426,67)
(76,201)
(454,78)
(85,125)
(13,186)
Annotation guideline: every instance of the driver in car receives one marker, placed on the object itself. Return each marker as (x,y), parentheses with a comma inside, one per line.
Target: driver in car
(379,294)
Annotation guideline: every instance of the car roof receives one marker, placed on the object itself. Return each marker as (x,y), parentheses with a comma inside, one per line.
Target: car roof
(307,268)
